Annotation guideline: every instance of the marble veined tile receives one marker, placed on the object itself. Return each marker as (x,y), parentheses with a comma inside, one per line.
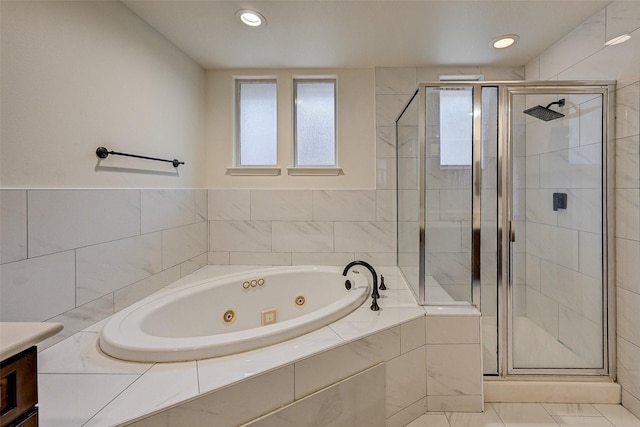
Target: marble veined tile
(628,111)
(128,295)
(240,236)
(217,372)
(161,386)
(281,205)
(318,258)
(162,209)
(385,173)
(582,42)
(627,266)
(582,336)
(364,237)
(388,107)
(201,205)
(80,354)
(454,369)
(619,63)
(183,243)
(412,334)
(622,18)
(406,380)
(385,141)
(618,415)
(231,406)
(323,369)
(554,244)
(104,268)
(302,236)
(71,400)
(68,219)
(627,213)
(344,205)
(573,168)
(523,415)
(229,204)
(354,324)
(627,162)
(13,225)
(431,420)
(628,367)
(260,258)
(566,420)
(627,311)
(377,258)
(357,401)
(571,409)
(488,418)
(453,330)
(79,318)
(37,289)
(395,80)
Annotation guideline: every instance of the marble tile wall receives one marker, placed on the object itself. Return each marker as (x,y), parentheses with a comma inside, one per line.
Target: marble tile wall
(293,227)
(390,375)
(454,362)
(581,55)
(76,256)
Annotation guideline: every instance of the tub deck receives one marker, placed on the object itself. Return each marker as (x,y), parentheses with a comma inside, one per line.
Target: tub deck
(80,386)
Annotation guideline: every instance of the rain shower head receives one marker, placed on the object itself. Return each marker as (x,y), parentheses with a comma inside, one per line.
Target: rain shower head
(544,113)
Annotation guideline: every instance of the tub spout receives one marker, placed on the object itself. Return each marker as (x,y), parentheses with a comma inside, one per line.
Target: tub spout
(374,294)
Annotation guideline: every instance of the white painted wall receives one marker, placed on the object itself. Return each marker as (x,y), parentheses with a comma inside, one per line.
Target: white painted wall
(355,130)
(78,75)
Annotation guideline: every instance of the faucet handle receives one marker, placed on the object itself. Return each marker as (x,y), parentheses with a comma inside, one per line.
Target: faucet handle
(374,305)
(382,286)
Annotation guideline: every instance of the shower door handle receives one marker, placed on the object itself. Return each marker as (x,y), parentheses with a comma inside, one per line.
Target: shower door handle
(512,232)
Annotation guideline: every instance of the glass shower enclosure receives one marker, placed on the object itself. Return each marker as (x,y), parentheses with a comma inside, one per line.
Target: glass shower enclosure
(503,192)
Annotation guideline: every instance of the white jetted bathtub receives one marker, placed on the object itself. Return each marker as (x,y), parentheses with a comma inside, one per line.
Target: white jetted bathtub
(233,313)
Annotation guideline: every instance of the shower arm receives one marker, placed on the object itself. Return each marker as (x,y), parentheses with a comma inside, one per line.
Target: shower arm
(558,103)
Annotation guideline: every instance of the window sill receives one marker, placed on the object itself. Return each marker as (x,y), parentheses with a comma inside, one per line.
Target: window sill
(315,171)
(254,171)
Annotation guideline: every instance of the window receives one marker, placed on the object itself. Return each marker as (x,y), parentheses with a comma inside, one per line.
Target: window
(456,126)
(314,122)
(256,123)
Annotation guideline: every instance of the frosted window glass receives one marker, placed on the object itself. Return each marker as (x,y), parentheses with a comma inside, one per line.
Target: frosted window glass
(257,118)
(456,127)
(315,118)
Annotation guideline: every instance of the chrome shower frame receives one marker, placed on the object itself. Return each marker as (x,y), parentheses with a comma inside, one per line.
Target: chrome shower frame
(506,90)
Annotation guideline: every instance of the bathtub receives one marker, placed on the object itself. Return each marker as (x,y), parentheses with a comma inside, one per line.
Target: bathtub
(232,313)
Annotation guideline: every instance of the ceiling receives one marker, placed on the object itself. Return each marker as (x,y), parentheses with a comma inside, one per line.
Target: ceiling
(353,33)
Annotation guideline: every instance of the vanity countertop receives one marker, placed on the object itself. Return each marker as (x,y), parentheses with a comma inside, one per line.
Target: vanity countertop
(18,336)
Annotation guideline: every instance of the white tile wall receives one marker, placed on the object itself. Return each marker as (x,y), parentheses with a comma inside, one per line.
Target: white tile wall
(582,56)
(38,288)
(281,205)
(67,219)
(13,225)
(358,400)
(88,251)
(162,209)
(104,268)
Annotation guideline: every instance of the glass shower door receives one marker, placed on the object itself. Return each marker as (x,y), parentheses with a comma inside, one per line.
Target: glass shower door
(556,232)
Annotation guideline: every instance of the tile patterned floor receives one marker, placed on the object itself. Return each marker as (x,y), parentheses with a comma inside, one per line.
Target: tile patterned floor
(534,415)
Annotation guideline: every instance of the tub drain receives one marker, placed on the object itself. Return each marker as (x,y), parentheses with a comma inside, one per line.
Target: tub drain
(228,317)
(300,300)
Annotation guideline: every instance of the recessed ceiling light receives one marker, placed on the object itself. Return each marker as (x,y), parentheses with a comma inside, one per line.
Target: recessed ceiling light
(505,41)
(617,40)
(251,17)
